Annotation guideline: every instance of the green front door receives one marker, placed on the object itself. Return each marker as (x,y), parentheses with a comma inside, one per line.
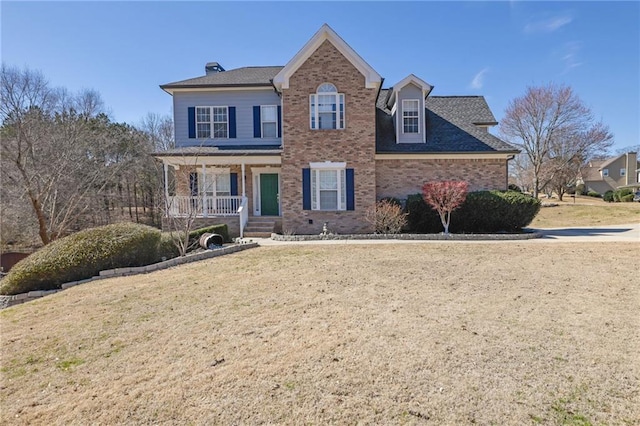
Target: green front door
(269,194)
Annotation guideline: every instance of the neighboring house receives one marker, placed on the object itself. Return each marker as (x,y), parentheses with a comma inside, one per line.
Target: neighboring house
(608,175)
(319,141)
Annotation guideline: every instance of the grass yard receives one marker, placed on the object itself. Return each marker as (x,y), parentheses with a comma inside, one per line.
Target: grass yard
(428,333)
(586,211)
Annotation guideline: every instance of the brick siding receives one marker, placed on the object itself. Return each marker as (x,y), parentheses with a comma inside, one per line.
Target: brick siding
(399,178)
(354,145)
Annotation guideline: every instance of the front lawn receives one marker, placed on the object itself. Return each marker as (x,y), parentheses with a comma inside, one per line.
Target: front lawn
(433,333)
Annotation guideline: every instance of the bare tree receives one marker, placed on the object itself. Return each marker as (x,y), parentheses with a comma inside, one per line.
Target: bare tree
(555,129)
(59,151)
(159,129)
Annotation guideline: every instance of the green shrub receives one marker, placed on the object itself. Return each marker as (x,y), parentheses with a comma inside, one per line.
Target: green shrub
(83,255)
(581,189)
(627,198)
(167,248)
(594,194)
(621,193)
(221,229)
(482,211)
(608,196)
(421,218)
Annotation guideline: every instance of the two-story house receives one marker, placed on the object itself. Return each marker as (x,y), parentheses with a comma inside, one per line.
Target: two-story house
(319,141)
(610,174)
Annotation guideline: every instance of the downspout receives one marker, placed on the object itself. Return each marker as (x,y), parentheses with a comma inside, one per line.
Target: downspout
(509,158)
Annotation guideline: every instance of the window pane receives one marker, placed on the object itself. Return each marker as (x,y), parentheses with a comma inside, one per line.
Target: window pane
(220,114)
(328,200)
(203,114)
(203,130)
(223,184)
(327,87)
(220,130)
(328,179)
(269,113)
(269,130)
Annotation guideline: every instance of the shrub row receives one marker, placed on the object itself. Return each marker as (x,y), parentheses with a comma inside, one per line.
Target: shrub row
(84,254)
(482,212)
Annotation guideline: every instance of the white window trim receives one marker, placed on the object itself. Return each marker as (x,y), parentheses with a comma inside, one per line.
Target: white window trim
(340,169)
(623,172)
(341,119)
(211,121)
(605,172)
(404,103)
(262,121)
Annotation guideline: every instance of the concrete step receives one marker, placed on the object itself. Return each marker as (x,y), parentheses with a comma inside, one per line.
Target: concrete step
(252,228)
(248,234)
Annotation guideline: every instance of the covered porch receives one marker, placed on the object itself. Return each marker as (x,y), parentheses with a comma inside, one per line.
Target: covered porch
(216,185)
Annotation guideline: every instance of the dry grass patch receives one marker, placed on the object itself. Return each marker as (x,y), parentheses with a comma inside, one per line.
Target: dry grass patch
(587,211)
(447,333)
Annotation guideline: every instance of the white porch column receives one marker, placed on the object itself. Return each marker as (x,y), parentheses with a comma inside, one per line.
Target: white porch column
(203,190)
(165,169)
(244,192)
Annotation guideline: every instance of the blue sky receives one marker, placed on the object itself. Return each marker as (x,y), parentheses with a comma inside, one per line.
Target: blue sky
(496,49)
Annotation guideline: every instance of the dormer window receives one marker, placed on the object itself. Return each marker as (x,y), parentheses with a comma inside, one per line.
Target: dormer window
(326,108)
(410,116)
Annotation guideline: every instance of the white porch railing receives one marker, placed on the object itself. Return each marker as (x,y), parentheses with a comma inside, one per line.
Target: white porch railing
(243,211)
(181,206)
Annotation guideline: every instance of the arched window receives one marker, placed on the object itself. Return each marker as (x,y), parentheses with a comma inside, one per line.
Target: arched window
(326,108)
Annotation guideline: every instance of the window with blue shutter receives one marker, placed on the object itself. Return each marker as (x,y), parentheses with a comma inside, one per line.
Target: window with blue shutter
(306,189)
(191,115)
(351,195)
(234,183)
(279,121)
(256,122)
(232,122)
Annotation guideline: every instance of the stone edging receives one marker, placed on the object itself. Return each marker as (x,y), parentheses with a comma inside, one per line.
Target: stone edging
(6,301)
(436,237)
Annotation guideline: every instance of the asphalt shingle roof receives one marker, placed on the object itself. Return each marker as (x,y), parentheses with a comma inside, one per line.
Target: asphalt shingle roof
(245,76)
(451,127)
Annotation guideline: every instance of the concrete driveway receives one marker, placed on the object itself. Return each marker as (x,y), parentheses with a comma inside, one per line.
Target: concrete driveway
(621,233)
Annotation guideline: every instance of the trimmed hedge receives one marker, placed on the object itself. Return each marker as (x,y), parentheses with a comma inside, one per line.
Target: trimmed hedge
(482,212)
(83,255)
(627,198)
(608,196)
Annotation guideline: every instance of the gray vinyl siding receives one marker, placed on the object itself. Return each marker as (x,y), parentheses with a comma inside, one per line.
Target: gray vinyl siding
(244,101)
(410,91)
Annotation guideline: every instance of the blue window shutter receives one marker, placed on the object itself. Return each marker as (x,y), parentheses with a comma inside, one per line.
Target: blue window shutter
(191,114)
(306,189)
(233,178)
(232,122)
(279,121)
(256,122)
(351,196)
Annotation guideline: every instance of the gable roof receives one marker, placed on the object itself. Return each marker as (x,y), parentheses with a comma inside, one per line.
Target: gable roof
(451,127)
(371,77)
(238,77)
(410,79)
